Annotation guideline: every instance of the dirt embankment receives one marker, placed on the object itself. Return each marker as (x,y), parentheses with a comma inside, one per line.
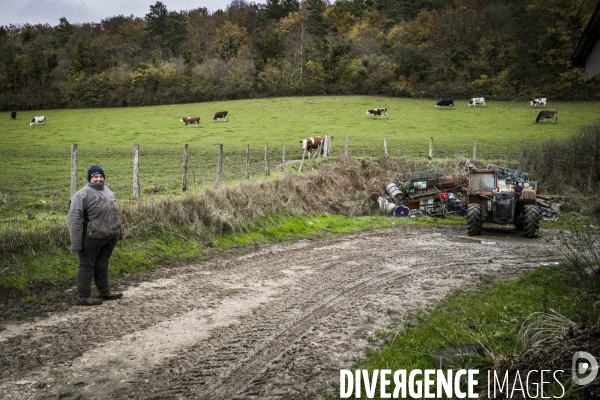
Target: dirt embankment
(277,322)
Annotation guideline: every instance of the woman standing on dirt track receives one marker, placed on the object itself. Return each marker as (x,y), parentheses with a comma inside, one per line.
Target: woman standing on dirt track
(95,229)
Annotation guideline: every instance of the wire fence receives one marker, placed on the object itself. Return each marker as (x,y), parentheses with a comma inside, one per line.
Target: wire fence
(161,169)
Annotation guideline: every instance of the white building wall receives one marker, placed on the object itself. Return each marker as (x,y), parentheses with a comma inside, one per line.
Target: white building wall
(592,62)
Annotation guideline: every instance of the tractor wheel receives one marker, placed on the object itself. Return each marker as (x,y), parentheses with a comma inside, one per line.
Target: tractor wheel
(474,219)
(531,221)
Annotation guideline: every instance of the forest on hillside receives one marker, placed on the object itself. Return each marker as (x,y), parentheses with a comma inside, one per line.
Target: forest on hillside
(498,49)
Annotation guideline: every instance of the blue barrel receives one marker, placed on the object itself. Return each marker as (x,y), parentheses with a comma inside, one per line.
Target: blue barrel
(402,211)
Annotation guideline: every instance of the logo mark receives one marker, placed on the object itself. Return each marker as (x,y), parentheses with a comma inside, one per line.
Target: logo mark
(590,365)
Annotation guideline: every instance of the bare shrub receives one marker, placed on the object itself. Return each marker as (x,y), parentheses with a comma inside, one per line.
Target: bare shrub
(569,167)
(581,248)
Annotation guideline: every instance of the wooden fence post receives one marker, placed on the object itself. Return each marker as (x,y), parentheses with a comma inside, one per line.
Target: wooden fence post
(431,147)
(136,171)
(73,169)
(267,171)
(474,149)
(385,147)
(247,161)
(346,146)
(302,162)
(220,164)
(325,146)
(185,167)
(283,156)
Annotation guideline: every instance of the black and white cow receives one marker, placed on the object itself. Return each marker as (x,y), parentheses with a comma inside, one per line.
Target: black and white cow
(541,102)
(38,120)
(547,114)
(477,100)
(312,143)
(221,114)
(378,111)
(191,120)
(13,115)
(444,103)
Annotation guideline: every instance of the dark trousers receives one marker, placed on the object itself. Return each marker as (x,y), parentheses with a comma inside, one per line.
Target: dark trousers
(93,263)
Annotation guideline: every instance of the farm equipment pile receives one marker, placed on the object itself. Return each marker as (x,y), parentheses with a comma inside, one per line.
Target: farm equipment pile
(432,196)
(493,194)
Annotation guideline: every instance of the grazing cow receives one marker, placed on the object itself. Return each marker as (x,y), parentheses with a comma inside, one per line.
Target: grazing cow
(312,143)
(378,111)
(13,115)
(539,102)
(477,100)
(37,120)
(547,114)
(221,114)
(191,120)
(444,103)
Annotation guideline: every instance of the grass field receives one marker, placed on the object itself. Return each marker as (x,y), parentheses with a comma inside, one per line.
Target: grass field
(35,161)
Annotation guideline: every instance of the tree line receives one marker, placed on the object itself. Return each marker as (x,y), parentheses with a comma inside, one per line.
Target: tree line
(499,49)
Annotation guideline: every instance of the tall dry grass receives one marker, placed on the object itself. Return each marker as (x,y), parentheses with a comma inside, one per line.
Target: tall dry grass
(340,187)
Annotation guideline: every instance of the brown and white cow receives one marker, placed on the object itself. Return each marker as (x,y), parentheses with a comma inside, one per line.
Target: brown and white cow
(38,120)
(221,114)
(191,120)
(547,114)
(378,111)
(312,143)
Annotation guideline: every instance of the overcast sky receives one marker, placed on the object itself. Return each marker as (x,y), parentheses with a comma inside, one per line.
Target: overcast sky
(19,12)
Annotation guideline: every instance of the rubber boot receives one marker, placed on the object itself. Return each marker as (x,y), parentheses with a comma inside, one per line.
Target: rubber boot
(89,301)
(111,295)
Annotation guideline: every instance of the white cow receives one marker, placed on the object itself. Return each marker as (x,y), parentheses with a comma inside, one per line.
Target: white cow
(539,102)
(37,120)
(477,100)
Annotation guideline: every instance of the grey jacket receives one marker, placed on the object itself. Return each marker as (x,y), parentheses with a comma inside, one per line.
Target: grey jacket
(94,213)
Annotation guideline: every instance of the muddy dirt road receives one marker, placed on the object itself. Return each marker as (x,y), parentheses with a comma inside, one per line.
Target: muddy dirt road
(276,322)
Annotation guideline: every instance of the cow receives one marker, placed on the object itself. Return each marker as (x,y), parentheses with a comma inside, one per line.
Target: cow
(221,114)
(547,114)
(312,143)
(37,120)
(477,100)
(444,103)
(191,120)
(378,111)
(539,102)
(13,115)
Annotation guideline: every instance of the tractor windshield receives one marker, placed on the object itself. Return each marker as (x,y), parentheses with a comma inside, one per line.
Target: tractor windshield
(482,181)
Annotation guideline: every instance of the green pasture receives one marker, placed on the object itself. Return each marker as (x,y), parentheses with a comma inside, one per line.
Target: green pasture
(35,161)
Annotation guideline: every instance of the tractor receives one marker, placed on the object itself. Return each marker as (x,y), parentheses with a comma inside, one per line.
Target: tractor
(490,199)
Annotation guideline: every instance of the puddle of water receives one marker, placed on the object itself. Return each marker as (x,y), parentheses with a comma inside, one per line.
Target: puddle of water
(468,240)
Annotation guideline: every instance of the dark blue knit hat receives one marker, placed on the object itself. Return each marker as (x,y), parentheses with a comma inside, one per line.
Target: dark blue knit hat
(95,169)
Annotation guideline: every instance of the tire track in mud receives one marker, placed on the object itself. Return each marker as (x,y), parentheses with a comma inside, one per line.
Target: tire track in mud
(279,322)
